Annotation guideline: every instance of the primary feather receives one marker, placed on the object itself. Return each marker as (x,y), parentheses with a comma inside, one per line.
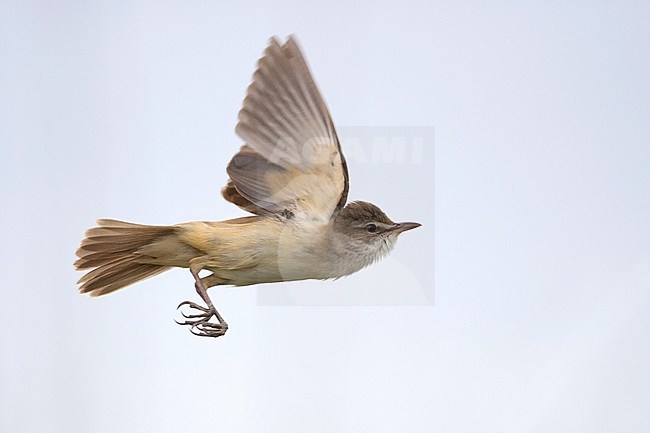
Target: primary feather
(292,162)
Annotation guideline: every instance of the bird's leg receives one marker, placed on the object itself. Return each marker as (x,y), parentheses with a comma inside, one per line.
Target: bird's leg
(200,321)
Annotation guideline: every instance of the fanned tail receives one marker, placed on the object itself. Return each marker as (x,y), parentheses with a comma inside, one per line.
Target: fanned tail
(110,251)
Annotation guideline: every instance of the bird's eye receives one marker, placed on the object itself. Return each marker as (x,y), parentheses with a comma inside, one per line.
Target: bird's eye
(371,228)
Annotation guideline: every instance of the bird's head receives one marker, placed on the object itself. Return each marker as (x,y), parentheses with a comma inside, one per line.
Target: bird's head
(368,230)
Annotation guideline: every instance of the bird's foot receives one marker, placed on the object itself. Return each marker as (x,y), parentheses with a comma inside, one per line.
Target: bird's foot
(199,322)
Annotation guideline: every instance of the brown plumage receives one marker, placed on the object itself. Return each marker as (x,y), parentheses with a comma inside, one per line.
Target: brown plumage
(361,211)
(290,173)
(112,249)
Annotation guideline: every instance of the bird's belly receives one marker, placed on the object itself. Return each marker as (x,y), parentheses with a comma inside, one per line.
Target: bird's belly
(282,264)
(272,273)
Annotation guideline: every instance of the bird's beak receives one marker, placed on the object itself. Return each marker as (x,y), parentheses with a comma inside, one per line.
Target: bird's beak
(402,227)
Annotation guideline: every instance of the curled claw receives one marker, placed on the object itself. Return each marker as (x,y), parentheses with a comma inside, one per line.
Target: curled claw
(199,316)
(192,316)
(200,323)
(190,322)
(194,305)
(207,329)
(204,315)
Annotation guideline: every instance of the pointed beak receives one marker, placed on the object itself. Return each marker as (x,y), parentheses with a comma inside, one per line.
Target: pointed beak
(402,227)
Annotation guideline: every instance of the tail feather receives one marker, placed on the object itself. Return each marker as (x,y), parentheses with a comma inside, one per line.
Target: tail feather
(128,274)
(101,270)
(111,252)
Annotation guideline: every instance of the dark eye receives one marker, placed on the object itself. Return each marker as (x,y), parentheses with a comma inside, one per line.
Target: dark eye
(371,228)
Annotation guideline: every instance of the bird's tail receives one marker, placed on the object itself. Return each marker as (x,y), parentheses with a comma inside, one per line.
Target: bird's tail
(110,251)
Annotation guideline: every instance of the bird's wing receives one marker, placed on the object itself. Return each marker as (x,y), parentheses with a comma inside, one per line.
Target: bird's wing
(291,165)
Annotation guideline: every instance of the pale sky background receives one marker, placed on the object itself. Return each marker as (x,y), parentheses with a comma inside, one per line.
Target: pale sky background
(542,247)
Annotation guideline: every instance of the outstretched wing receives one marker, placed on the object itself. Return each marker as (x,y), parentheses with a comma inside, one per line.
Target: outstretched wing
(291,164)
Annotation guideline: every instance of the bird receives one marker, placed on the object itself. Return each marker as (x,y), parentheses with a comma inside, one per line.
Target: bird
(290,175)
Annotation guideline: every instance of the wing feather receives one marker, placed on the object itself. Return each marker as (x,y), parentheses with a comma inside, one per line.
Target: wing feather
(292,160)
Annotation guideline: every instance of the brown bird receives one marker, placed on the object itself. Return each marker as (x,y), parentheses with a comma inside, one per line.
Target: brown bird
(291,174)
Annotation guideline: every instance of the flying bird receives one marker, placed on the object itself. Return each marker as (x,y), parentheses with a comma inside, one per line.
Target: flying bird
(290,174)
